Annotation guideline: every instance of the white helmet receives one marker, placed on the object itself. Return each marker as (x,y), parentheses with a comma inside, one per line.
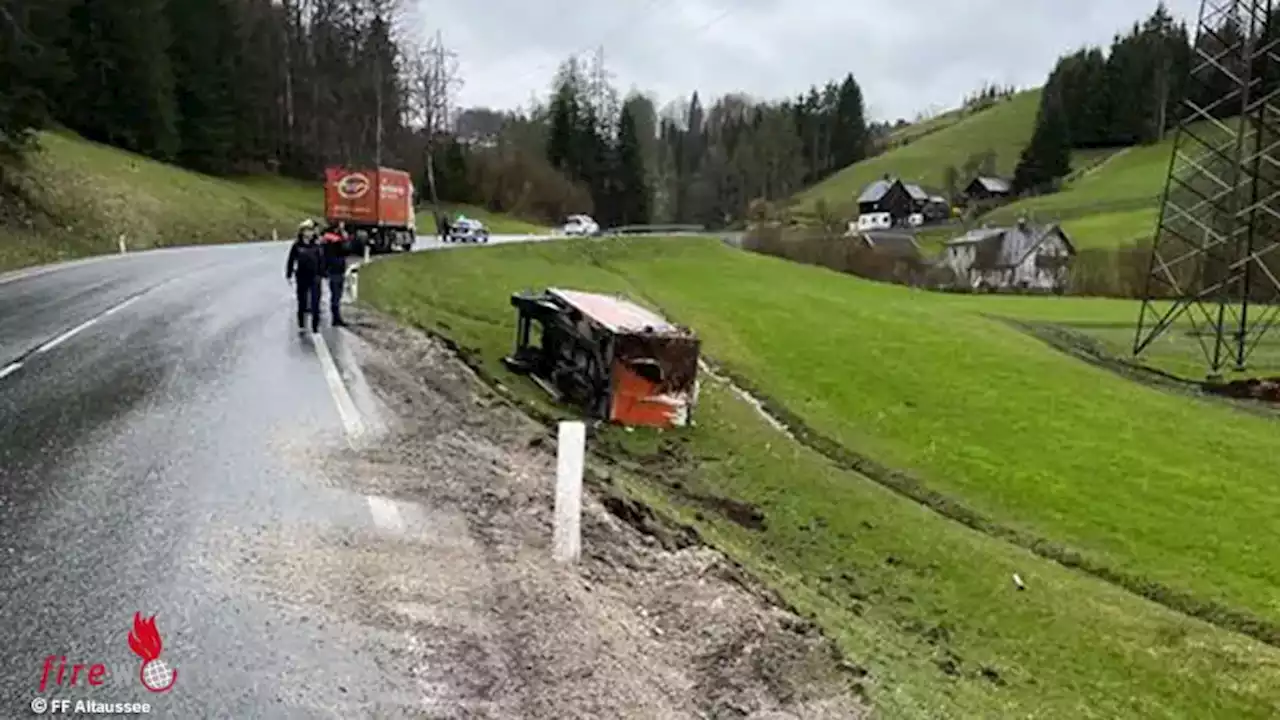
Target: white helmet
(307,224)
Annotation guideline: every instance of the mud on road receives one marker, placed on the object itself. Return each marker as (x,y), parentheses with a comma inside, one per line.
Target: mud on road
(472,617)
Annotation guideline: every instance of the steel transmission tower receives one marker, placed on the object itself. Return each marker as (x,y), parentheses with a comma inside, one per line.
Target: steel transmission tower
(1220,214)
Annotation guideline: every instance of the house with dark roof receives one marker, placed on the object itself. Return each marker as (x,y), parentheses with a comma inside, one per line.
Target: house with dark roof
(919,198)
(988,188)
(892,196)
(1022,257)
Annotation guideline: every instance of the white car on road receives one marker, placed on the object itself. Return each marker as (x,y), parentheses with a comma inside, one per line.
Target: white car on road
(466,229)
(580,225)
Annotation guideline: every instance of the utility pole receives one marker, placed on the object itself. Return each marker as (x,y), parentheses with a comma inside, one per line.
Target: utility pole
(378,133)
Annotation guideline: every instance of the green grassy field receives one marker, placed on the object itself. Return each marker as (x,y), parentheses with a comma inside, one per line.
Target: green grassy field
(1004,128)
(81,196)
(1116,204)
(85,195)
(914,131)
(1150,486)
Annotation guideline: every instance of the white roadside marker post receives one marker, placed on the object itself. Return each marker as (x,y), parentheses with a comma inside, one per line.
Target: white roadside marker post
(123,249)
(352,288)
(567,542)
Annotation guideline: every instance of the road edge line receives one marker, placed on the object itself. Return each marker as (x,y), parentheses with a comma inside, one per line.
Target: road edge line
(351,422)
(10,369)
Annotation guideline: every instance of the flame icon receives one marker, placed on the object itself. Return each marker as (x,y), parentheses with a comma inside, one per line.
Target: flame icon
(144,641)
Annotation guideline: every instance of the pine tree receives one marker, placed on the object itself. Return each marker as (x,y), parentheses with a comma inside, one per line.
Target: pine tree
(204,55)
(1047,158)
(123,89)
(30,70)
(633,185)
(850,140)
(562,139)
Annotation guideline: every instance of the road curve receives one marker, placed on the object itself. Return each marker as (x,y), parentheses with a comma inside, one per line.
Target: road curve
(156,409)
(153,408)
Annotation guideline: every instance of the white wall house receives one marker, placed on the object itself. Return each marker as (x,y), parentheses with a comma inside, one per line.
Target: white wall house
(1023,257)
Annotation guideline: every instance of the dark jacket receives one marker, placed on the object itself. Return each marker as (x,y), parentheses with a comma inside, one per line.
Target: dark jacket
(306,260)
(335,253)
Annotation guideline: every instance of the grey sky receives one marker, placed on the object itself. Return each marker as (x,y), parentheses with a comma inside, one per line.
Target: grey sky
(909,55)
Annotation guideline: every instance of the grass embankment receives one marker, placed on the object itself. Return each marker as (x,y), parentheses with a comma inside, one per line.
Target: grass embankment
(910,133)
(1116,204)
(1149,485)
(1003,128)
(79,197)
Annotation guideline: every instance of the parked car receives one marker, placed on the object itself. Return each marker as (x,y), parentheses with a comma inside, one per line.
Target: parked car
(580,225)
(465,229)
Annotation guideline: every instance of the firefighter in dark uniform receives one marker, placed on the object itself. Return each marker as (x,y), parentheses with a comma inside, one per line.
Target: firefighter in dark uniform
(335,243)
(305,267)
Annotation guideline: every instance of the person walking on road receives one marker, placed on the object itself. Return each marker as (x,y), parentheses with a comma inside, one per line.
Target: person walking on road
(305,267)
(335,244)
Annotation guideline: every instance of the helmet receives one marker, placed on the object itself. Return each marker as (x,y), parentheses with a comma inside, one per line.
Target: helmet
(307,224)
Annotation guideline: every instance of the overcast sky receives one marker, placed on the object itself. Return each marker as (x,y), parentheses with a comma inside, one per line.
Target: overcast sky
(908,55)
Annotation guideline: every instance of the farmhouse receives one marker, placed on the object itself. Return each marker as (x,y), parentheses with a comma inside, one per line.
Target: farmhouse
(988,188)
(887,196)
(919,198)
(1023,257)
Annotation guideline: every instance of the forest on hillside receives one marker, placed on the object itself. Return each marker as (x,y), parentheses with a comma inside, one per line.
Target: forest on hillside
(234,87)
(289,86)
(1139,89)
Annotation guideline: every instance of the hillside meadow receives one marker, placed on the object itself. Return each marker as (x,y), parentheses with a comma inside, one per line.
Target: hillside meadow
(943,450)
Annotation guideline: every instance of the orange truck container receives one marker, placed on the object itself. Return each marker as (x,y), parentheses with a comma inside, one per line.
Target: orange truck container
(375,204)
(616,360)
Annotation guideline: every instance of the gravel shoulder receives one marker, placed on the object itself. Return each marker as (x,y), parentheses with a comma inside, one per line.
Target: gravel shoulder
(473,618)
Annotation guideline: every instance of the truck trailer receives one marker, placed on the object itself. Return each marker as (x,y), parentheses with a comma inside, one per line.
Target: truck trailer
(375,204)
(615,360)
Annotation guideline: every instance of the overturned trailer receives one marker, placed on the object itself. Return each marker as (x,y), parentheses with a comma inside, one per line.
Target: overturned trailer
(613,358)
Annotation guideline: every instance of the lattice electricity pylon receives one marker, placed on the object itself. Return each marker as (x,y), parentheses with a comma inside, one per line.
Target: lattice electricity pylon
(1220,213)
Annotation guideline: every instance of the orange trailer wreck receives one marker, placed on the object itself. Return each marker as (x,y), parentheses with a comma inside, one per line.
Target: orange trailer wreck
(618,361)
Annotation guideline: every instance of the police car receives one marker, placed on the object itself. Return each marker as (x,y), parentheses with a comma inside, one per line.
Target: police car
(465,230)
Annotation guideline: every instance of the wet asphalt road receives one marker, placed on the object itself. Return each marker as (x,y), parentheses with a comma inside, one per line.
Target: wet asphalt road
(132,448)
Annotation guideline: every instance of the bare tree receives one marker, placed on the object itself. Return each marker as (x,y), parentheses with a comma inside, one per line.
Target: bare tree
(433,79)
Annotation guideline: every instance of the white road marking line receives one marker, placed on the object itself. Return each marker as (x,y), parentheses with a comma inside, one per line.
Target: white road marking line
(123,305)
(10,369)
(385,513)
(66,336)
(341,397)
(84,326)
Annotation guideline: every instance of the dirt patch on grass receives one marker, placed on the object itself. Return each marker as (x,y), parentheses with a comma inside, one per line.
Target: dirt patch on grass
(1260,389)
(1238,395)
(651,623)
